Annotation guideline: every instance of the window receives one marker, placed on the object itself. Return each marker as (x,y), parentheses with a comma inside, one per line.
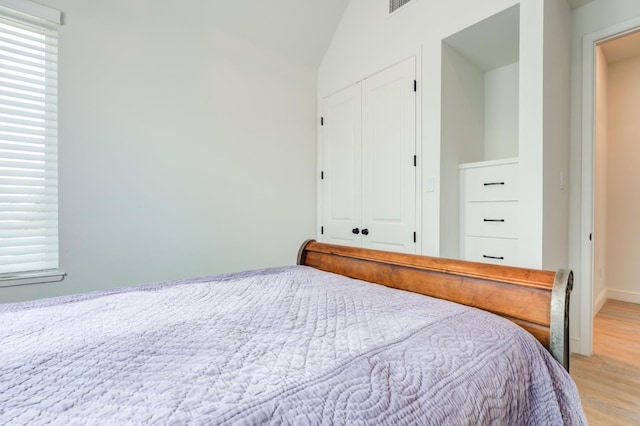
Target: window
(28,140)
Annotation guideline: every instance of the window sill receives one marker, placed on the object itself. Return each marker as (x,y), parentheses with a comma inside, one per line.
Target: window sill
(28,278)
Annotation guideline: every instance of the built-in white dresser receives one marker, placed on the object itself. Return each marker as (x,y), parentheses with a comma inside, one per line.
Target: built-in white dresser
(489,222)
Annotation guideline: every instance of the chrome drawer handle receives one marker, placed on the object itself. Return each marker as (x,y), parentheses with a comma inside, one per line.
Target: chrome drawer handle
(493,257)
(493,183)
(494,220)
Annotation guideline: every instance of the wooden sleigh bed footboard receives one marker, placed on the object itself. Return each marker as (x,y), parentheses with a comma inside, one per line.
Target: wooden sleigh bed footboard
(536,300)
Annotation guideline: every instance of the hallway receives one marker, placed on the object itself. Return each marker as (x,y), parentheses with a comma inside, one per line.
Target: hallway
(609,381)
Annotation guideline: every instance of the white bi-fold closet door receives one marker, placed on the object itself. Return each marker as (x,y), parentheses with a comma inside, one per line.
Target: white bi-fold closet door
(368,187)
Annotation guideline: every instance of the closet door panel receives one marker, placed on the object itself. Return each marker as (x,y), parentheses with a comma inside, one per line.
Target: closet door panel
(342,166)
(388,149)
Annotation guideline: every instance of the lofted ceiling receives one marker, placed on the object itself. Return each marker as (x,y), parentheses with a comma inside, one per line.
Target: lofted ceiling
(298,29)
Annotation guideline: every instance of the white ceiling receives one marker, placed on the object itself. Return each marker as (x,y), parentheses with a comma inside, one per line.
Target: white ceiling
(622,48)
(299,29)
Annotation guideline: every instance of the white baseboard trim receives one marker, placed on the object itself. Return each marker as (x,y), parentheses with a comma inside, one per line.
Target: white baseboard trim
(575,346)
(623,295)
(599,302)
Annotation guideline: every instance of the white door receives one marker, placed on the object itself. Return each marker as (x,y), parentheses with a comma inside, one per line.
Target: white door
(388,159)
(342,166)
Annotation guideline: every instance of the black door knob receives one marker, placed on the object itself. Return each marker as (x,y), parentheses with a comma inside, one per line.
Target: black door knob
(365,231)
(355,231)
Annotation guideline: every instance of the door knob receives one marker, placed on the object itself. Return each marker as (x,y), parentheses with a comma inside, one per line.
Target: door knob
(355,231)
(365,231)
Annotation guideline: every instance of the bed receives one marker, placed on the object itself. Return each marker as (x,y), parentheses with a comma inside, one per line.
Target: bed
(314,343)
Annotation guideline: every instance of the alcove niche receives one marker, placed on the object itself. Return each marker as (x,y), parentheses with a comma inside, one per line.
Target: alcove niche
(479,107)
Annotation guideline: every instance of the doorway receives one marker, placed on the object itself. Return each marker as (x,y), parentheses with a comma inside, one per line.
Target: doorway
(616,193)
(610,196)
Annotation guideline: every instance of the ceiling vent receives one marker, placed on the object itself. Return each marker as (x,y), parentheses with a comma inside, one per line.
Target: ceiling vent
(397,4)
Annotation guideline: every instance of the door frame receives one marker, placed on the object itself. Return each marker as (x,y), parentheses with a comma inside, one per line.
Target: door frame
(589,43)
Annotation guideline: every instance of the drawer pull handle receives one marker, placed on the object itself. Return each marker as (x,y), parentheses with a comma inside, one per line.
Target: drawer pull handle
(494,220)
(493,257)
(493,183)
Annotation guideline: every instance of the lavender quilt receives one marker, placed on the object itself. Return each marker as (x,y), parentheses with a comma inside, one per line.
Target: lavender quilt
(280,346)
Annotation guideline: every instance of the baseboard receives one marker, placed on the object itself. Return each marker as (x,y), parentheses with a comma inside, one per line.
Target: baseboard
(575,346)
(599,302)
(623,295)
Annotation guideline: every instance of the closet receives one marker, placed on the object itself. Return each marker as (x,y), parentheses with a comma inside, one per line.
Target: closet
(368,162)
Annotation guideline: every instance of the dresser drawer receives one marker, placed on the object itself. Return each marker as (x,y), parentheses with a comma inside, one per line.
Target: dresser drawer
(491,183)
(498,251)
(491,219)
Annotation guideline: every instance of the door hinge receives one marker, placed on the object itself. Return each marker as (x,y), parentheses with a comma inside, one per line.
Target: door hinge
(415,161)
(415,237)
(322,121)
(321,175)
(322,230)
(590,237)
(415,85)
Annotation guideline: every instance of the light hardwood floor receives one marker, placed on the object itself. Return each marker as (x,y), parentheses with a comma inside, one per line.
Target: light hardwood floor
(609,380)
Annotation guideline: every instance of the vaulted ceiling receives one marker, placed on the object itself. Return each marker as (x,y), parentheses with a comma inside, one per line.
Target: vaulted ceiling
(298,29)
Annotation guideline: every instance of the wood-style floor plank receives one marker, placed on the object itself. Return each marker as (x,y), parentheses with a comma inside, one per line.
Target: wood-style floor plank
(609,380)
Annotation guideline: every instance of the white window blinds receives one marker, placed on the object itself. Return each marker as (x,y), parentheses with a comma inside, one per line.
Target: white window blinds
(28,140)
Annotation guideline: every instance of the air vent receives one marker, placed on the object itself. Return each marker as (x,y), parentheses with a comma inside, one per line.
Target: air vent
(396,4)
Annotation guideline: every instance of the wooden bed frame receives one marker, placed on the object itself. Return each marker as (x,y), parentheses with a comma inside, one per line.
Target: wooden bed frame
(536,300)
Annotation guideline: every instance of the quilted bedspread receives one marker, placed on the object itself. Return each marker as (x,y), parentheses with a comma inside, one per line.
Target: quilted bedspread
(280,346)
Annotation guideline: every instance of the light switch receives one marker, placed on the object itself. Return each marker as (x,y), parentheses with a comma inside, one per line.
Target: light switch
(429,184)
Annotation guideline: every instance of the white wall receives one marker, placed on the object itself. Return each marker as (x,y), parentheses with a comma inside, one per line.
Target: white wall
(544,131)
(557,132)
(600,180)
(501,89)
(593,17)
(623,175)
(462,138)
(368,40)
(183,151)
(531,125)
